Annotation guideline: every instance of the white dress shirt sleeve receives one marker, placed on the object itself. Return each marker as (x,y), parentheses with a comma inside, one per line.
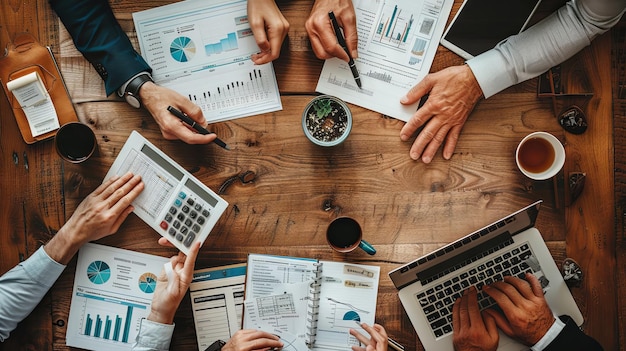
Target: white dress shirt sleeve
(23,287)
(552,333)
(153,336)
(544,45)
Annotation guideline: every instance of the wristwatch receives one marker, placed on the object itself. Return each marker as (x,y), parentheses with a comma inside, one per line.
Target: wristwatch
(216,346)
(131,91)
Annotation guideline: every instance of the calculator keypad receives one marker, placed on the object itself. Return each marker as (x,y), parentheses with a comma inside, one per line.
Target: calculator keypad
(185,219)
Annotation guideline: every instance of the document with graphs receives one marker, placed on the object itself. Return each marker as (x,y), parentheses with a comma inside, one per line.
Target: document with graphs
(113,291)
(315,301)
(202,50)
(398,40)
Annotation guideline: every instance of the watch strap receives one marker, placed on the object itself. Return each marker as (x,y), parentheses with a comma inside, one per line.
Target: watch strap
(216,346)
(131,89)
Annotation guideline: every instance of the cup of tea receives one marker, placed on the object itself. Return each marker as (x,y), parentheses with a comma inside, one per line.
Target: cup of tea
(540,156)
(344,235)
(75,142)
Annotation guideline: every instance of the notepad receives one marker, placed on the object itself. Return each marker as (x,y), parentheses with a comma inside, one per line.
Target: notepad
(35,89)
(317,301)
(31,94)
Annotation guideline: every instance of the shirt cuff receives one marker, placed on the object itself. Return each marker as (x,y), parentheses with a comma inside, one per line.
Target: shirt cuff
(552,333)
(489,68)
(41,268)
(154,336)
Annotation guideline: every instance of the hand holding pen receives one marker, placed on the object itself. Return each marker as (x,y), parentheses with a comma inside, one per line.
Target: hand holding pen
(342,42)
(377,340)
(190,122)
(320,30)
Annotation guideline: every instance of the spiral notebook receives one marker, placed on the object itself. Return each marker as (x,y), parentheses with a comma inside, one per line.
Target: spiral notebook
(310,303)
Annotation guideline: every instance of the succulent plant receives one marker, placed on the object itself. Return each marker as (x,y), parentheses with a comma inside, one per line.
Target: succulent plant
(322,107)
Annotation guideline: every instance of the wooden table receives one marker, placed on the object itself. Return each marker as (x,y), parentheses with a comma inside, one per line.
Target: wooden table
(406,208)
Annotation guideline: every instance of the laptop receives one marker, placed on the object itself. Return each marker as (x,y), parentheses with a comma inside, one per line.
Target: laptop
(174,202)
(429,285)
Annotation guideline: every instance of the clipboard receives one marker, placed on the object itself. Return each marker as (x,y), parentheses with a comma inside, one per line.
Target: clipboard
(24,56)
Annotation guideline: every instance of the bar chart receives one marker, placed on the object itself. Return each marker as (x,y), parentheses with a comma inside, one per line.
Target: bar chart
(394,26)
(106,319)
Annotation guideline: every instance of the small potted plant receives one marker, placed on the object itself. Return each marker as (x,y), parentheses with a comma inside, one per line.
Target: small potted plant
(326,120)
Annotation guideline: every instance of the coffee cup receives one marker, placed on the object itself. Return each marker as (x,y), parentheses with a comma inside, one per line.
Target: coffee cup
(344,235)
(75,142)
(540,156)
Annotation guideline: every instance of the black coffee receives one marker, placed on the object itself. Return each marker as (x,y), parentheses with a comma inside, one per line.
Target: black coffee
(343,233)
(75,141)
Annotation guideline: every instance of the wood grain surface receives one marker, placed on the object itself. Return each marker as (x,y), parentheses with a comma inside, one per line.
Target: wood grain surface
(405,208)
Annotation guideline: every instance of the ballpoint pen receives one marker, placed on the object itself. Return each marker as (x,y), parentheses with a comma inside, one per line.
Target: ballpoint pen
(342,42)
(187,120)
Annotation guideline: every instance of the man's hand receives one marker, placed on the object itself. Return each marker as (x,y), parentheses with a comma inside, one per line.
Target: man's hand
(526,315)
(269,27)
(172,287)
(473,331)
(377,340)
(321,34)
(100,214)
(156,99)
(453,92)
(249,339)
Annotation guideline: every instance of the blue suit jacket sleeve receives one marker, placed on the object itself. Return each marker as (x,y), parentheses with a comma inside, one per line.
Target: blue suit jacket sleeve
(572,338)
(100,38)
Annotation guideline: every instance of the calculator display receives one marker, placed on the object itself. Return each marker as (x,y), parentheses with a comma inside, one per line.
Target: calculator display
(167,166)
(191,185)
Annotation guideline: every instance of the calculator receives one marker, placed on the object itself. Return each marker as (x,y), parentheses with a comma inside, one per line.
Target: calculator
(173,202)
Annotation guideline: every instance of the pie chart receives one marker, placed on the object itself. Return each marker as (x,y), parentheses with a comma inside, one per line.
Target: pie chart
(351,316)
(147,283)
(182,49)
(98,272)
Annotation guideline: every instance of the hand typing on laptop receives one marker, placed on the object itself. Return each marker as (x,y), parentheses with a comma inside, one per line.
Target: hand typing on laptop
(524,316)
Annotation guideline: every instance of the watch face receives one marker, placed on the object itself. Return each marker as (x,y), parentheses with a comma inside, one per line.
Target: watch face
(132,100)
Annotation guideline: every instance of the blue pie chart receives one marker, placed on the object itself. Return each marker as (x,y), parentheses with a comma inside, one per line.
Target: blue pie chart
(182,49)
(98,272)
(351,316)
(147,283)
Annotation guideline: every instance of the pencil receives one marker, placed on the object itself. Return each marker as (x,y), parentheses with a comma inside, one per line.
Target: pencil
(187,120)
(342,42)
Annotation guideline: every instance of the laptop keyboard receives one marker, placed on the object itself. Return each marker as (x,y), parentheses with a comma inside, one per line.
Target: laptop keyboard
(438,300)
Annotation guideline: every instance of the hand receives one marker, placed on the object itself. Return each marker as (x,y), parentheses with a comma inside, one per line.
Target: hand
(269,27)
(169,293)
(527,316)
(473,331)
(321,33)
(248,340)
(453,92)
(100,214)
(377,340)
(156,99)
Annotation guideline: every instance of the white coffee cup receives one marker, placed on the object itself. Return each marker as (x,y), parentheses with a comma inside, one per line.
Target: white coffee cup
(540,155)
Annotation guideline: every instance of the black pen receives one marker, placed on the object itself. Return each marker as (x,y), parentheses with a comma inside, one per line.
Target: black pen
(186,119)
(342,42)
